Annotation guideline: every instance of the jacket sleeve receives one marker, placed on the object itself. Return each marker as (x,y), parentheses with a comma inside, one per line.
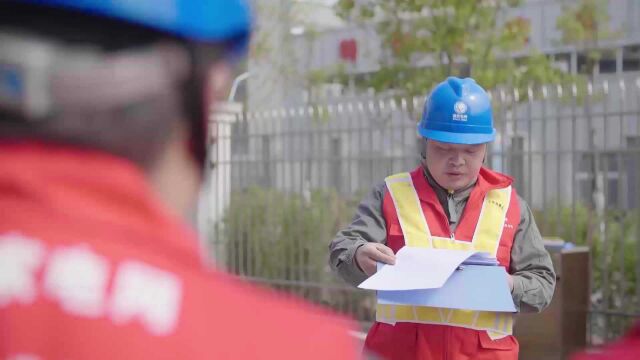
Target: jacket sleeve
(368,225)
(534,279)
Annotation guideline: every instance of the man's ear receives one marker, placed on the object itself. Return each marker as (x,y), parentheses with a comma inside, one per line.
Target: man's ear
(486,152)
(423,149)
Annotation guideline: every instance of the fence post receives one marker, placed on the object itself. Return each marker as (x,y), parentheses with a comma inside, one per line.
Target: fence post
(216,192)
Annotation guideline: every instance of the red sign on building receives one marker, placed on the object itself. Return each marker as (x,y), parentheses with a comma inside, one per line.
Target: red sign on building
(349,50)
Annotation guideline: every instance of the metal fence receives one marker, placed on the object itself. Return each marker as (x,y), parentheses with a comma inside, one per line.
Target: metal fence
(286,180)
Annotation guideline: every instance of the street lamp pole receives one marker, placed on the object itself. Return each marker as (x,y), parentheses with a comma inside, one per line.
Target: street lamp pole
(236,82)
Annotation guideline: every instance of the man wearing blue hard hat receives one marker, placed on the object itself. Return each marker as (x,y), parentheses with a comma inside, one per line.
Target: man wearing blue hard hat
(450,201)
(103,119)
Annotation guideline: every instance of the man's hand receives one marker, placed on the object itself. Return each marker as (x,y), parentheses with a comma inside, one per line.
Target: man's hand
(369,254)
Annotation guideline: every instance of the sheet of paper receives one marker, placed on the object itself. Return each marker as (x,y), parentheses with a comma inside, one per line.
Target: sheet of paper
(417,268)
(481,258)
(475,287)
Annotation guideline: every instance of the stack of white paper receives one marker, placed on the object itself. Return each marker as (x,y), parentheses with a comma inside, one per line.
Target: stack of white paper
(417,268)
(481,258)
(435,277)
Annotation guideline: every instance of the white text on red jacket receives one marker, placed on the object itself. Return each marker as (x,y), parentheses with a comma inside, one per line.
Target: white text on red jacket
(78,279)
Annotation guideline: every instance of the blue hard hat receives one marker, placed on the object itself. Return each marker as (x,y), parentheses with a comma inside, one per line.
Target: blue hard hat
(207,21)
(458,111)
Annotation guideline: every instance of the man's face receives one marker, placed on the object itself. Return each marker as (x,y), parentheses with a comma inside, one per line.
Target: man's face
(454,166)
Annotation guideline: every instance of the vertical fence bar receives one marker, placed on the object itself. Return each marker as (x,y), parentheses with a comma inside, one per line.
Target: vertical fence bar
(371,139)
(529,112)
(504,111)
(621,217)
(602,180)
(635,156)
(354,153)
(558,115)
(574,161)
(543,155)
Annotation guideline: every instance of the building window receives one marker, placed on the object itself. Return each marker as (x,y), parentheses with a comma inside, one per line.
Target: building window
(516,161)
(631,58)
(607,65)
(632,164)
(561,62)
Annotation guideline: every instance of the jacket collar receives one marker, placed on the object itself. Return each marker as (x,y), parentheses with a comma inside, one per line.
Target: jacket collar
(443,193)
(88,186)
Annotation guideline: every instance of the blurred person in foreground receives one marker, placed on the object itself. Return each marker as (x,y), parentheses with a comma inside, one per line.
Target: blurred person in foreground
(450,201)
(627,348)
(103,112)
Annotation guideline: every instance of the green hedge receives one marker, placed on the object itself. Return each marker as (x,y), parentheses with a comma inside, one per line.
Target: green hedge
(276,235)
(282,240)
(613,238)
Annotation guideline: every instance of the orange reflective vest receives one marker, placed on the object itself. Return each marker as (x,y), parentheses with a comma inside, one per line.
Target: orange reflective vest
(415,217)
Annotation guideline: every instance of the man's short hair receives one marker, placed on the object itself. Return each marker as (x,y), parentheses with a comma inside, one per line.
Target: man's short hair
(137,130)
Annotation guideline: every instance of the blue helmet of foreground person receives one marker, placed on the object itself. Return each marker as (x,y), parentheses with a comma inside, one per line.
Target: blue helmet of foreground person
(458,111)
(206,21)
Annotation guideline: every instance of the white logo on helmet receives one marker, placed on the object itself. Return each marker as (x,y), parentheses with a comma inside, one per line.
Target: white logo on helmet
(460,109)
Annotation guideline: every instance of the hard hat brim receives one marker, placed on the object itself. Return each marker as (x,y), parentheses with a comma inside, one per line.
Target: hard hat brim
(458,138)
(207,21)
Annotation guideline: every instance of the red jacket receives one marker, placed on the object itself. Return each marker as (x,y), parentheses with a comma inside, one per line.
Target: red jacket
(628,348)
(92,266)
